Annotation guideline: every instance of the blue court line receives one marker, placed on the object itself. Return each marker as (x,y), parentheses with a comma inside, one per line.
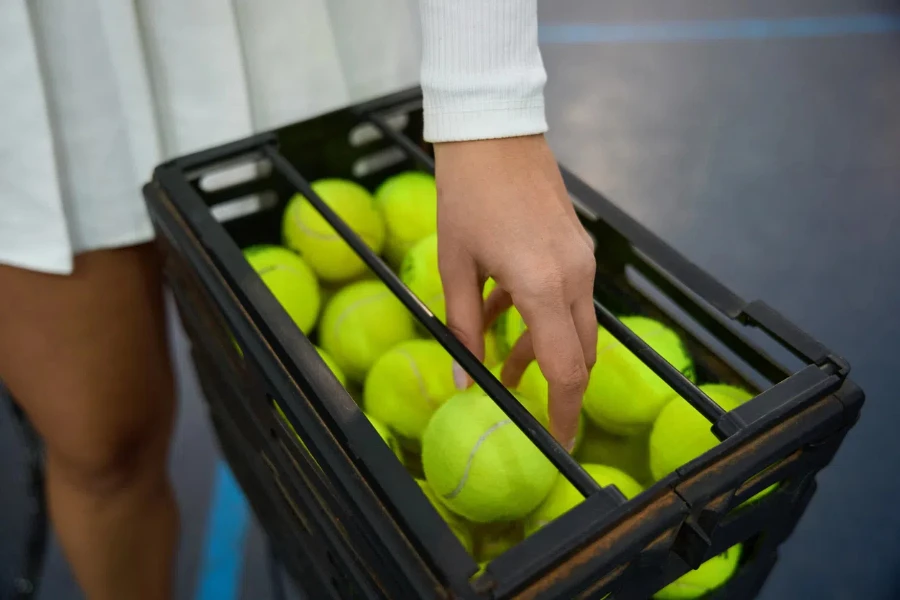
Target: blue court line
(223,551)
(735,29)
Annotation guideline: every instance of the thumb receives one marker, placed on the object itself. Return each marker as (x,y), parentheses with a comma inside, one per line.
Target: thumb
(462,296)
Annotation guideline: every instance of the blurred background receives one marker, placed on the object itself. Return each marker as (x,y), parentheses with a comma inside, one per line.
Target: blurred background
(762,140)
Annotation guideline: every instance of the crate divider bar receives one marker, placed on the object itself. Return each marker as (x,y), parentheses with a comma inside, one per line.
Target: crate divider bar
(705,405)
(283,381)
(681,384)
(554,452)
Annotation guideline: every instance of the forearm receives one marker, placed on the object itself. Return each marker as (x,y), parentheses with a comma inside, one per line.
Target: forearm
(482,73)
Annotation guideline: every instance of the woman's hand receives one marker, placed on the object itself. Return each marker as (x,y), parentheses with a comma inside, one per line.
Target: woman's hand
(503,212)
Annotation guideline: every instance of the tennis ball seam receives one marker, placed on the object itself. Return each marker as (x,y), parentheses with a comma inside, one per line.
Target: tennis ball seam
(420,380)
(365,234)
(481,439)
(355,305)
(273,268)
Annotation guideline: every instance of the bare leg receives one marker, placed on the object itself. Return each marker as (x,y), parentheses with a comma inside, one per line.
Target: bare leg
(86,356)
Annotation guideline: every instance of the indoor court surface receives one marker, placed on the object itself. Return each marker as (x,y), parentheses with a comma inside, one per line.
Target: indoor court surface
(762,140)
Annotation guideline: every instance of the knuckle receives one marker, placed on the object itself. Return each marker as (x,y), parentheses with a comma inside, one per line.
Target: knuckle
(456,330)
(590,240)
(572,380)
(544,280)
(590,360)
(582,262)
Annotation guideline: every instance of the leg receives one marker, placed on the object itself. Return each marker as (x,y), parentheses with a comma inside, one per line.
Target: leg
(86,356)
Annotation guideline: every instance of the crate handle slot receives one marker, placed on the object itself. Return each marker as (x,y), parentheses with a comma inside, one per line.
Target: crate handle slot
(243,206)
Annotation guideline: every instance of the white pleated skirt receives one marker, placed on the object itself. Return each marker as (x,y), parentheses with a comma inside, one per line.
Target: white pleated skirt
(95,93)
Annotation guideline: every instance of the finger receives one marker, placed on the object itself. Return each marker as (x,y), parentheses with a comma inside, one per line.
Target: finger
(585,320)
(462,295)
(497,301)
(561,359)
(519,358)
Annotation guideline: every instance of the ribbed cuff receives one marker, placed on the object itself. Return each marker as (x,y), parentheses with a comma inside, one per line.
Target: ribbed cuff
(482,73)
(486,123)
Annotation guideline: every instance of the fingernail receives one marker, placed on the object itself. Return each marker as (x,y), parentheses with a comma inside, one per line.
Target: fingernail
(570,446)
(460,378)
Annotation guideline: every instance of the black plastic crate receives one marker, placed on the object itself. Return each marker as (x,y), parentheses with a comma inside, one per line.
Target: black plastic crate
(342,512)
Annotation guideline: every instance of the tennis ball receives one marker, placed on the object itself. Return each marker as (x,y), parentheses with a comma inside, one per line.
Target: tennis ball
(333,366)
(387,436)
(623,395)
(482,567)
(307,232)
(290,280)
(408,205)
(407,384)
(535,393)
(491,356)
(712,574)
(681,434)
(493,539)
(363,321)
(626,453)
(383,431)
(508,328)
(459,526)
(420,273)
(563,497)
(480,464)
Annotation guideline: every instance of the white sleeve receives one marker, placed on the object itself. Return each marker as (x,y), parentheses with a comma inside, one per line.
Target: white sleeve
(482,73)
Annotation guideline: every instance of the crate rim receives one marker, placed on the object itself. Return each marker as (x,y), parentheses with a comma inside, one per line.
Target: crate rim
(819,359)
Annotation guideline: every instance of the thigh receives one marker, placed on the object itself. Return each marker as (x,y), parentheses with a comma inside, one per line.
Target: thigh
(86,355)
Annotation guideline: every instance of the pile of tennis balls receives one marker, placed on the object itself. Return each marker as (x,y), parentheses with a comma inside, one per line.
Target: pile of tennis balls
(483,476)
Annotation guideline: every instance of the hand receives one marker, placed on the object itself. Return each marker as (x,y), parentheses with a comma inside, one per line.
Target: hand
(503,212)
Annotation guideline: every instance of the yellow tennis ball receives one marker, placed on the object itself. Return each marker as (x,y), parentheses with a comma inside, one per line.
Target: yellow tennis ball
(307,232)
(419,272)
(508,328)
(626,453)
(491,356)
(480,464)
(493,539)
(535,393)
(563,497)
(290,280)
(387,436)
(407,384)
(408,204)
(712,574)
(459,526)
(383,431)
(482,567)
(333,366)
(623,395)
(681,434)
(363,321)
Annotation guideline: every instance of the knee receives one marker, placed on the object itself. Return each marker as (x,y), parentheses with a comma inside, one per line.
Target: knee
(126,460)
